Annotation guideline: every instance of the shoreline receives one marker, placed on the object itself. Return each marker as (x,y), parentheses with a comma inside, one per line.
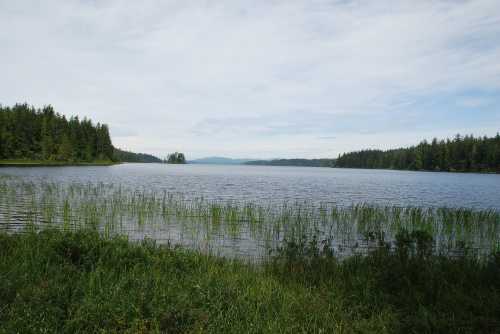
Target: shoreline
(34,163)
(80,281)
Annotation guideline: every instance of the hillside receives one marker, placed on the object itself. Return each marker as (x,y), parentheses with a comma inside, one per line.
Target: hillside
(42,134)
(293,162)
(219,161)
(44,137)
(460,154)
(126,156)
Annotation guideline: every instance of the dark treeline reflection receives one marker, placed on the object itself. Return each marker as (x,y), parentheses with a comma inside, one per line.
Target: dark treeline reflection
(462,154)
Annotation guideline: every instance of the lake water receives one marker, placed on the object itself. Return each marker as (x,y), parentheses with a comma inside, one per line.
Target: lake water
(130,199)
(277,184)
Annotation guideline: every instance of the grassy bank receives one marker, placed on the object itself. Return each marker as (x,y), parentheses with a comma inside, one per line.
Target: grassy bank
(47,163)
(79,282)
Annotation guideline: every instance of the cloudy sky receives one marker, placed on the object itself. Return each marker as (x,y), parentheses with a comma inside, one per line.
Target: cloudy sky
(258,79)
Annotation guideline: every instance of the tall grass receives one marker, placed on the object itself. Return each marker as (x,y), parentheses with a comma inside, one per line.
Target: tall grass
(322,268)
(64,282)
(239,228)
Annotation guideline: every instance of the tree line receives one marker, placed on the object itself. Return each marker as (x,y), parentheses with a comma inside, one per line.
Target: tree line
(293,162)
(126,156)
(27,133)
(460,154)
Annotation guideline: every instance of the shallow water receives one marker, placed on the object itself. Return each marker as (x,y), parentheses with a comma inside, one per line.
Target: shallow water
(112,198)
(277,184)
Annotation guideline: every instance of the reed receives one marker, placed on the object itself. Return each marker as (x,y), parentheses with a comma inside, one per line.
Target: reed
(261,228)
(68,264)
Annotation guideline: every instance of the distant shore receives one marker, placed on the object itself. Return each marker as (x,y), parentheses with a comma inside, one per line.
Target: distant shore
(42,163)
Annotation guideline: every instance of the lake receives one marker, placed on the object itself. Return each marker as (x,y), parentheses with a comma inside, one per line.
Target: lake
(278,184)
(245,211)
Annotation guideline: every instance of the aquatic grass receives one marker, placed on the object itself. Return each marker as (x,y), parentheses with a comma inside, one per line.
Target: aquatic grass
(114,209)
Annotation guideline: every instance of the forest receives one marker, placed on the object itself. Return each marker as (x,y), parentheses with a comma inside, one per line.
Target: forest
(27,133)
(126,156)
(460,154)
(293,162)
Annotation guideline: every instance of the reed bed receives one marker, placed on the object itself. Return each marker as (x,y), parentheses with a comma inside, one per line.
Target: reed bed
(67,265)
(251,229)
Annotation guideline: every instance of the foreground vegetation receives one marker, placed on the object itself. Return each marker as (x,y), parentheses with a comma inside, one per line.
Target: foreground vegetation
(462,154)
(80,282)
(67,265)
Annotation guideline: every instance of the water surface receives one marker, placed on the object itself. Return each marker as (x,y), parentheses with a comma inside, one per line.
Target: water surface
(131,199)
(277,184)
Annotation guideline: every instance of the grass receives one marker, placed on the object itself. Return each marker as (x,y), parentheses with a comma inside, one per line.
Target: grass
(211,225)
(67,265)
(82,282)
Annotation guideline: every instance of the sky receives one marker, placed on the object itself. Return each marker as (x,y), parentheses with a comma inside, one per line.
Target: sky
(258,79)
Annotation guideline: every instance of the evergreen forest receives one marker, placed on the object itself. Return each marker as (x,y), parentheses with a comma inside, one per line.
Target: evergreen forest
(460,154)
(126,156)
(27,133)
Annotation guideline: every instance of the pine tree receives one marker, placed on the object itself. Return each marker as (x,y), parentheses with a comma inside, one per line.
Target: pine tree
(29,133)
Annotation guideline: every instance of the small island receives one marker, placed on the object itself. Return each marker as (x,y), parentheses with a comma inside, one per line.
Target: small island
(176,158)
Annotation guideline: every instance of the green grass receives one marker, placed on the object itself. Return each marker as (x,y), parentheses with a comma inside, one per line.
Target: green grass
(81,282)
(28,163)
(113,209)
(66,266)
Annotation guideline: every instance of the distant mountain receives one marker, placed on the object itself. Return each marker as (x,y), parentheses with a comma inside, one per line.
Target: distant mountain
(219,161)
(126,156)
(294,162)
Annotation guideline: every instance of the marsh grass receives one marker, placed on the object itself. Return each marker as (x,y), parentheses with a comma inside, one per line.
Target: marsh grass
(72,268)
(195,221)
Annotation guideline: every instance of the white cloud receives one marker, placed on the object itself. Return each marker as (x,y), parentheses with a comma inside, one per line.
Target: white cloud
(253,78)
